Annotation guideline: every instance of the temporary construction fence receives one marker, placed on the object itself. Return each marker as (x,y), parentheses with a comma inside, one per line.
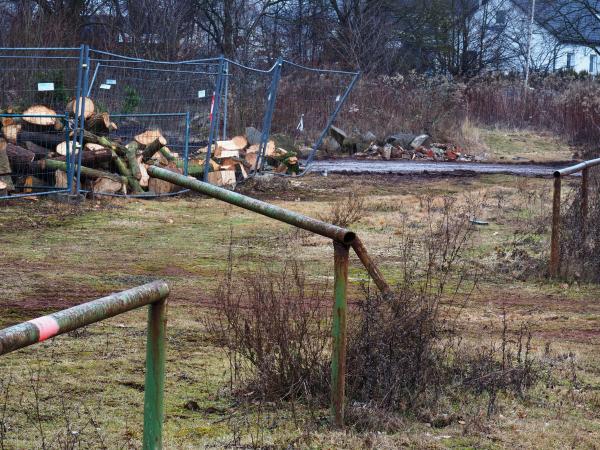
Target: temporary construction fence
(193,103)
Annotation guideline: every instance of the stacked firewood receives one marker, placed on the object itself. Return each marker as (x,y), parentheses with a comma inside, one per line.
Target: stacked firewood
(234,159)
(34,150)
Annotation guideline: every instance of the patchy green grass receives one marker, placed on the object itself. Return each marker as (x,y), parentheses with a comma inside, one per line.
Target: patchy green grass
(523,146)
(90,382)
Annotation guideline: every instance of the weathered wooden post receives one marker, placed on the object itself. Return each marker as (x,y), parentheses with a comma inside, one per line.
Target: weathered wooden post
(584,201)
(555,239)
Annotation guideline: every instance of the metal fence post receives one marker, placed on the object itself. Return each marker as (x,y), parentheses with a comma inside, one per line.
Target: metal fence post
(80,66)
(332,118)
(266,128)
(79,146)
(68,154)
(225,100)
(214,121)
(555,239)
(186,143)
(91,85)
(155,376)
(338,357)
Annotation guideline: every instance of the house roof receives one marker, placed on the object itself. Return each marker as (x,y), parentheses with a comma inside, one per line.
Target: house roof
(570,21)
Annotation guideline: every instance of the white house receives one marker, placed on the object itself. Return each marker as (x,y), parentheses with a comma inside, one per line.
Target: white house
(565,34)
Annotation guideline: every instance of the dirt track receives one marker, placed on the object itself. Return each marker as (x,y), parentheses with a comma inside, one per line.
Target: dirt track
(349,166)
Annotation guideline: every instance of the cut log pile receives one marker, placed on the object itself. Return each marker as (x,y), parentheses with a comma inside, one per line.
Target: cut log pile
(34,149)
(232,160)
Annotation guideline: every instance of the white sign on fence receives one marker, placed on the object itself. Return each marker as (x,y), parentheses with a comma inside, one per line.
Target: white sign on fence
(105,86)
(201,94)
(45,87)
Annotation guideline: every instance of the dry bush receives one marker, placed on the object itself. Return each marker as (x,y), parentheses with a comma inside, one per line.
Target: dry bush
(565,104)
(410,103)
(580,258)
(275,325)
(406,353)
(398,346)
(345,212)
(35,404)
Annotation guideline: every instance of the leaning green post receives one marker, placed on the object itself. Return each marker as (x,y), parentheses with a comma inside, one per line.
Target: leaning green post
(338,360)
(155,375)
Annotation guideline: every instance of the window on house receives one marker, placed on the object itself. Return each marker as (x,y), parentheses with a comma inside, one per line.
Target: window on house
(593,64)
(570,57)
(501,17)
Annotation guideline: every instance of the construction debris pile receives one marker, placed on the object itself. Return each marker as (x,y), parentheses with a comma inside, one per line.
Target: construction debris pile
(37,144)
(397,146)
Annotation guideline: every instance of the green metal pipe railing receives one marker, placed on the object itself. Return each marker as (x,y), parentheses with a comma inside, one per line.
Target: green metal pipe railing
(153,294)
(342,238)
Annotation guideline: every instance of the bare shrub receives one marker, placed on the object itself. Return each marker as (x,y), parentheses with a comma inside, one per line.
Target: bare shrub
(406,353)
(345,212)
(579,243)
(565,104)
(36,406)
(275,325)
(397,350)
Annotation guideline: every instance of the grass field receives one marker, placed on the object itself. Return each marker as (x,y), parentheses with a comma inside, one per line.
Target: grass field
(87,386)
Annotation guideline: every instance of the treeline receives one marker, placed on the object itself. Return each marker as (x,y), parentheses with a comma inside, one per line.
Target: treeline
(458,37)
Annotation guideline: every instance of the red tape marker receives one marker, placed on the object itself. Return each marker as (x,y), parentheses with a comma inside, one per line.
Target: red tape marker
(47,327)
(212,105)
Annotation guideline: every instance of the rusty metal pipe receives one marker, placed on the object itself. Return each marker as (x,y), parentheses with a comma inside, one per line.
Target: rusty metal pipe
(266,209)
(154,386)
(372,269)
(45,327)
(338,332)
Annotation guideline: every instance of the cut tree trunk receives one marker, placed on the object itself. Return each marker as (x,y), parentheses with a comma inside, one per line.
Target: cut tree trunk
(151,149)
(92,158)
(124,170)
(14,134)
(222,178)
(20,158)
(88,105)
(61,180)
(132,160)
(145,176)
(240,141)
(159,186)
(99,123)
(39,123)
(148,136)
(91,138)
(40,151)
(11,132)
(53,164)
(5,169)
(105,185)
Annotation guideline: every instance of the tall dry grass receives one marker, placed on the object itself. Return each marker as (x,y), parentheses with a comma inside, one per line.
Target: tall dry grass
(565,104)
